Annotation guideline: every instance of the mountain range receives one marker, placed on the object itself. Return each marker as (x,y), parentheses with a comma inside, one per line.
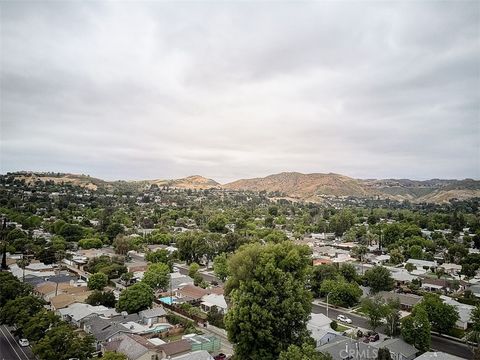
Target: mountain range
(305,187)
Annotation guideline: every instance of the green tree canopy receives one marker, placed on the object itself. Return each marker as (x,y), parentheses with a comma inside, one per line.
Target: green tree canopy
(220,266)
(97,281)
(379,279)
(270,302)
(137,297)
(442,316)
(304,352)
(416,329)
(62,342)
(157,276)
(341,291)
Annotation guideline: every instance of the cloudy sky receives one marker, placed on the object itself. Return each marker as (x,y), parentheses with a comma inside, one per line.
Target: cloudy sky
(134,90)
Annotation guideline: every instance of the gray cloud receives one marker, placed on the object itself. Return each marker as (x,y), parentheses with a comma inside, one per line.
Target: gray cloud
(162,90)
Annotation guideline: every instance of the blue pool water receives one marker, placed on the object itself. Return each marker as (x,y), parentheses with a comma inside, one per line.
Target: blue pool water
(166,300)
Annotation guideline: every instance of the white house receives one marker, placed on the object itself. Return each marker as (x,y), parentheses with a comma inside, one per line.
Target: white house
(211,300)
(319,327)
(464,311)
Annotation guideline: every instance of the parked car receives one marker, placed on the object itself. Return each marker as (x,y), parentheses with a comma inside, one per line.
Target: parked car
(374,337)
(24,342)
(220,356)
(344,319)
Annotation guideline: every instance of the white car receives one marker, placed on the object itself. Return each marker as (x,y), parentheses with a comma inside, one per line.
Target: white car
(344,319)
(24,342)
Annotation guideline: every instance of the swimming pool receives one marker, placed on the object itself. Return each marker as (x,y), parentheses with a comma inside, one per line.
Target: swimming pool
(167,300)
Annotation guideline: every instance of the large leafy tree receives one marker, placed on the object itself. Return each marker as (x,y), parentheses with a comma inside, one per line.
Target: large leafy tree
(442,316)
(474,333)
(416,329)
(135,298)
(20,310)
(270,302)
(321,273)
(11,288)
(375,309)
(341,292)
(106,298)
(304,352)
(62,342)
(97,281)
(379,279)
(34,329)
(157,276)
(220,266)
(109,355)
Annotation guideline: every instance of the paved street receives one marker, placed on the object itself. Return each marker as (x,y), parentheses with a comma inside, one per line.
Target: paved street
(439,343)
(9,348)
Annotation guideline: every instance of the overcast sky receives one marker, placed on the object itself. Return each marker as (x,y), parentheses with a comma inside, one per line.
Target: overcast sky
(135,90)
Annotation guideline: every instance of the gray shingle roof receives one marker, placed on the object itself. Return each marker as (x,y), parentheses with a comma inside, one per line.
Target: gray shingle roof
(154,312)
(397,346)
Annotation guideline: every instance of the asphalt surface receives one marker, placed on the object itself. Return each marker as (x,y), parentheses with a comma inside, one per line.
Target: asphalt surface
(10,349)
(439,343)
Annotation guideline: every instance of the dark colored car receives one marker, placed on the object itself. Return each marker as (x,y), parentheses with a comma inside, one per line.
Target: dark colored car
(374,337)
(220,356)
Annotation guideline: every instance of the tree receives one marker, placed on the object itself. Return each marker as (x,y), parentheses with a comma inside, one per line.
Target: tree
(392,317)
(375,309)
(110,355)
(384,354)
(341,292)
(122,245)
(442,316)
(158,256)
(321,273)
(106,298)
(135,298)
(19,310)
(304,352)
(270,302)
(379,279)
(35,328)
(62,342)
(416,329)
(410,267)
(113,230)
(97,281)
(415,252)
(474,333)
(220,266)
(396,256)
(90,243)
(349,272)
(157,276)
(11,288)
(193,269)
(217,223)
(215,317)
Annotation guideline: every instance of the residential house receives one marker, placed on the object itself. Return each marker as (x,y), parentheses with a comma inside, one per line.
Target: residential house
(407,301)
(214,300)
(447,285)
(320,330)
(190,293)
(452,269)
(342,348)
(425,264)
(153,316)
(178,280)
(195,355)
(464,311)
(77,313)
(399,349)
(134,347)
(438,355)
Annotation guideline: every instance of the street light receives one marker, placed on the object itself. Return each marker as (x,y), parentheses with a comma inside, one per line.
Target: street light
(327,301)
